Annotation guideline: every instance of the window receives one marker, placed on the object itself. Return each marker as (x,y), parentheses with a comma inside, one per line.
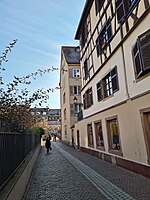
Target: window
(75,90)
(141,52)
(64,98)
(76,73)
(84,35)
(99,135)
(86,69)
(104,37)
(110,82)
(88,98)
(123,7)
(99,90)
(113,134)
(75,108)
(99,5)
(65,114)
(108,85)
(90,135)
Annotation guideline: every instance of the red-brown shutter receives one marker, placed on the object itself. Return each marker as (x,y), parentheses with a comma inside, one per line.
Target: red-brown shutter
(137,59)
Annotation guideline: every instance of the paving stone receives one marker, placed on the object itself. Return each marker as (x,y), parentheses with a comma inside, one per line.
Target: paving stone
(55,178)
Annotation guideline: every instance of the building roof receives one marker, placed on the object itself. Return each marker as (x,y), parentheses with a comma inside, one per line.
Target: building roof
(85,12)
(71,54)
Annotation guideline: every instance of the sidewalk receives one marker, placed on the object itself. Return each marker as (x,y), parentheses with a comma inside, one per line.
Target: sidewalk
(69,174)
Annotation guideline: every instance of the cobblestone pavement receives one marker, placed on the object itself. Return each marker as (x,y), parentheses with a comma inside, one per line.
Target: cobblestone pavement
(69,174)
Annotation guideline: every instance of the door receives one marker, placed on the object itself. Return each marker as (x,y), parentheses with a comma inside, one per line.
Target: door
(146,129)
(72,135)
(78,139)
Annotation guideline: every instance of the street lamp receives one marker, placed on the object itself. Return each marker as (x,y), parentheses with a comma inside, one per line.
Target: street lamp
(75,100)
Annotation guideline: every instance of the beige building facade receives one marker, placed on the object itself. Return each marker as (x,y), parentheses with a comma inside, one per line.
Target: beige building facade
(115,69)
(70,91)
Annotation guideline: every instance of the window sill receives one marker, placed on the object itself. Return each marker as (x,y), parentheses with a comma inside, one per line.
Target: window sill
(100,148)
(116,152)
(91,146)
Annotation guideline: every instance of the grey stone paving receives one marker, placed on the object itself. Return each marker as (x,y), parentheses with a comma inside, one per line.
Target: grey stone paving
(55,178)
(135,185)
(109,190)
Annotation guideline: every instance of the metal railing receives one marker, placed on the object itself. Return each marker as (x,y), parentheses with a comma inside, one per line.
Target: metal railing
(13,150)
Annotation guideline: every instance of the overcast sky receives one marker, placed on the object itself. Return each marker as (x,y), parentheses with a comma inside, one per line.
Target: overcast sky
(41,27)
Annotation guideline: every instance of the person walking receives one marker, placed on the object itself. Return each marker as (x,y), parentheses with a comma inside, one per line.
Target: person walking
(48,144)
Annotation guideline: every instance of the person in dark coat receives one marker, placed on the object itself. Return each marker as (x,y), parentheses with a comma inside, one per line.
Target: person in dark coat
(48,144)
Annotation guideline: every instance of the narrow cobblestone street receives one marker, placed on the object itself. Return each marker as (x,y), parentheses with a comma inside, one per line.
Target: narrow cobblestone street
(69,174)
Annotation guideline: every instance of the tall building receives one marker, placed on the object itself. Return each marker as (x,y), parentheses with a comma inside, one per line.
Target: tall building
(115,72)
(70,88)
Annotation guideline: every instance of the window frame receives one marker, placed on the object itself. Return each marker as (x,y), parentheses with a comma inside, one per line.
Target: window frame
(126,8)
(138,54)
(104,37)
(90,132)
(111,139)
(76,73)
(101,147)
(88,98)
(84,35)
(86,69)
(98,5)
(99,91)
(109,84)
(146,128)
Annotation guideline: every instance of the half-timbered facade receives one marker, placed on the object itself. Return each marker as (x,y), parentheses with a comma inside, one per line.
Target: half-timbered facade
(114,40)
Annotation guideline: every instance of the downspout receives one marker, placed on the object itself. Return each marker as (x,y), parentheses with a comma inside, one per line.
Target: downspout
(124,65)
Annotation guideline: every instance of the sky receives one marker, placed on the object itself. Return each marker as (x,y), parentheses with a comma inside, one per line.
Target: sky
(41,28)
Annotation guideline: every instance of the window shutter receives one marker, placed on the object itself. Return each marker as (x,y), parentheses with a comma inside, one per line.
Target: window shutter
(86,69)
(70,73)
(99,90)
(120,9)
(91,96)
(79,90)
(98,46)
(114,77)
(144,41)
(71,90)
(137,59)
(109,30)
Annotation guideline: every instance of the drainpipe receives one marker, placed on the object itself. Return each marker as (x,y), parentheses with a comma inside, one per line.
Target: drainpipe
(124,65)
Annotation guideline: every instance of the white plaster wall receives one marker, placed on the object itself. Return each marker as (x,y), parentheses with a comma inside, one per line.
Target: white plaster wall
(118,96)
(130,129)
(135,87)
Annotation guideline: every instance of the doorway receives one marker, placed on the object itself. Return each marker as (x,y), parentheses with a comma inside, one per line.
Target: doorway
(72,137)
(145,114)
(78,139)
